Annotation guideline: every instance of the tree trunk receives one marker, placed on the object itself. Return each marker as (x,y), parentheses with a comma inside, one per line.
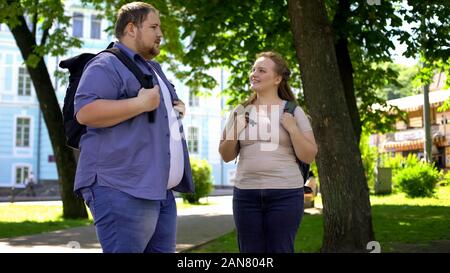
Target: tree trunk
(73,207)
(345,65)
(347,213)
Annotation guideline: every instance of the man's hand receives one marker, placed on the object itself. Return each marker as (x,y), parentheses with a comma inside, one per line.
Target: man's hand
(179,106)
(149,98)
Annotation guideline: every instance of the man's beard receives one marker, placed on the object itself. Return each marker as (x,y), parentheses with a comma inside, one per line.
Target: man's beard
(154,51)
(145,51)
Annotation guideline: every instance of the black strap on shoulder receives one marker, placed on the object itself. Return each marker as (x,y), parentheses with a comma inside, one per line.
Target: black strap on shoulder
(290,107)
(145,80)
(304,168)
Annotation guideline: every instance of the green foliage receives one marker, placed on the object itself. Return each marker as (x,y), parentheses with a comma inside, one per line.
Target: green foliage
(47,23)
(369,158)
(403,85)
(201,174)
(171,48)
(398,163)
(418,181)
(445,179)
(231,33)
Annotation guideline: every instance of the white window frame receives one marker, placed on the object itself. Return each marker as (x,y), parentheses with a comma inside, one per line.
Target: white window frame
(80,17)
(24,152)
(194,101)
(95,19)
(189,138)
(15,167)
(26,80)
(12,79)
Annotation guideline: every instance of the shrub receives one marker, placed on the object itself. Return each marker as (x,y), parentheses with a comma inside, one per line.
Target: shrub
(399,163)
(445,179)
(369,158)
(418,181)
(201,174)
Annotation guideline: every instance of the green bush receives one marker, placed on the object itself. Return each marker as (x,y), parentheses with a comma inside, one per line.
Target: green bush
(399,163)
(369,158)
(418,181)
(445,179)
(201,174)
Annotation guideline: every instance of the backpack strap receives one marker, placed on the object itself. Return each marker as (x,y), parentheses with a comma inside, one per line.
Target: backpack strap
(304,168)
(290,107)
(144,79)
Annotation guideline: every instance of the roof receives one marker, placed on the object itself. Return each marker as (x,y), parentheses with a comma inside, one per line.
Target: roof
(411,145)
(415,102)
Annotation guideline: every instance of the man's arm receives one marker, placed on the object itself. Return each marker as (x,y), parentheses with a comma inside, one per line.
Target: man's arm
(103,113)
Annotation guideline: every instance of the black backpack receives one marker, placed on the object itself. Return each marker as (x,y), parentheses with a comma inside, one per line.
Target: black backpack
(304,167)
(76,65)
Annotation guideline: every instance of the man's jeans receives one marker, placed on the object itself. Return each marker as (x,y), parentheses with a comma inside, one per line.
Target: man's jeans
(267,220)
(128,224)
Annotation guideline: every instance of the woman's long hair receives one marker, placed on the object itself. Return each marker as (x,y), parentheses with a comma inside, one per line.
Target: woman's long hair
(282,69)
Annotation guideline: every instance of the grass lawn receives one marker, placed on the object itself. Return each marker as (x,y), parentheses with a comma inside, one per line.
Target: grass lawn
(17,219)
(185,205)
(401,224)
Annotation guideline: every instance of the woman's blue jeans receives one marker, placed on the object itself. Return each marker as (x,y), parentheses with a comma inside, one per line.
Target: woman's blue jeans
(267,220)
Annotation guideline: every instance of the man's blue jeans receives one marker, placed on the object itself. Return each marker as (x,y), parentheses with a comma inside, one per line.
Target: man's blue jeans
(126,224)
(267,220)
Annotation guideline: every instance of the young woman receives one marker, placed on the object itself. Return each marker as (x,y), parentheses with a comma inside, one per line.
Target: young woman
(268,192)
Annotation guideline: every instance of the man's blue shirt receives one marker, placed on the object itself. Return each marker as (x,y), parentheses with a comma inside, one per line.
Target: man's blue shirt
(132,156)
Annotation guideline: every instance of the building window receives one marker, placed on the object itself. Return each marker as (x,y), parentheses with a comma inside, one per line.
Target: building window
(96,23)
(77,26)
(24,88)
(192,140)
(23,132)
(194,101)
(22,174)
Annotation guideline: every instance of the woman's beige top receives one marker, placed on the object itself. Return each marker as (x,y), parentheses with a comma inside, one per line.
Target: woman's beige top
(266,158)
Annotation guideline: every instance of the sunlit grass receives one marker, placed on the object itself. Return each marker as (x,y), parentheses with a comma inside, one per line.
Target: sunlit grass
(400,224)
(17,219)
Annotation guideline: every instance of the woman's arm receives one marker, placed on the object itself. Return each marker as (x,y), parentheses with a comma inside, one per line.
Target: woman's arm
(228,147)
(304,143)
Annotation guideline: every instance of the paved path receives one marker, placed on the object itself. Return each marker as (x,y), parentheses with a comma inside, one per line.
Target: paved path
(195,226)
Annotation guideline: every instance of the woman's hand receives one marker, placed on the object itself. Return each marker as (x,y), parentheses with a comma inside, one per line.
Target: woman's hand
(289,122)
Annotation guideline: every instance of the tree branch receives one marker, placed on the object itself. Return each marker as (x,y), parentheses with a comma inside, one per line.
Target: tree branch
(35,19)
(45,36)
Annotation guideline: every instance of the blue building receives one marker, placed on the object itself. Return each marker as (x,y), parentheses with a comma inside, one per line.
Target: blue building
(24,142)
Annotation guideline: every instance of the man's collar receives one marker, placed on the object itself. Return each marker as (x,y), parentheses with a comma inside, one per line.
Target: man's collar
(129,52)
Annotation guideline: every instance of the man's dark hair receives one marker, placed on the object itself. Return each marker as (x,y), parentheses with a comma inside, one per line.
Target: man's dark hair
(135,13)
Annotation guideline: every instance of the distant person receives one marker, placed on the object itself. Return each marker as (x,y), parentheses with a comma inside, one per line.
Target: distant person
(29,185)
(312,182)
(268,194)
(129,165)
